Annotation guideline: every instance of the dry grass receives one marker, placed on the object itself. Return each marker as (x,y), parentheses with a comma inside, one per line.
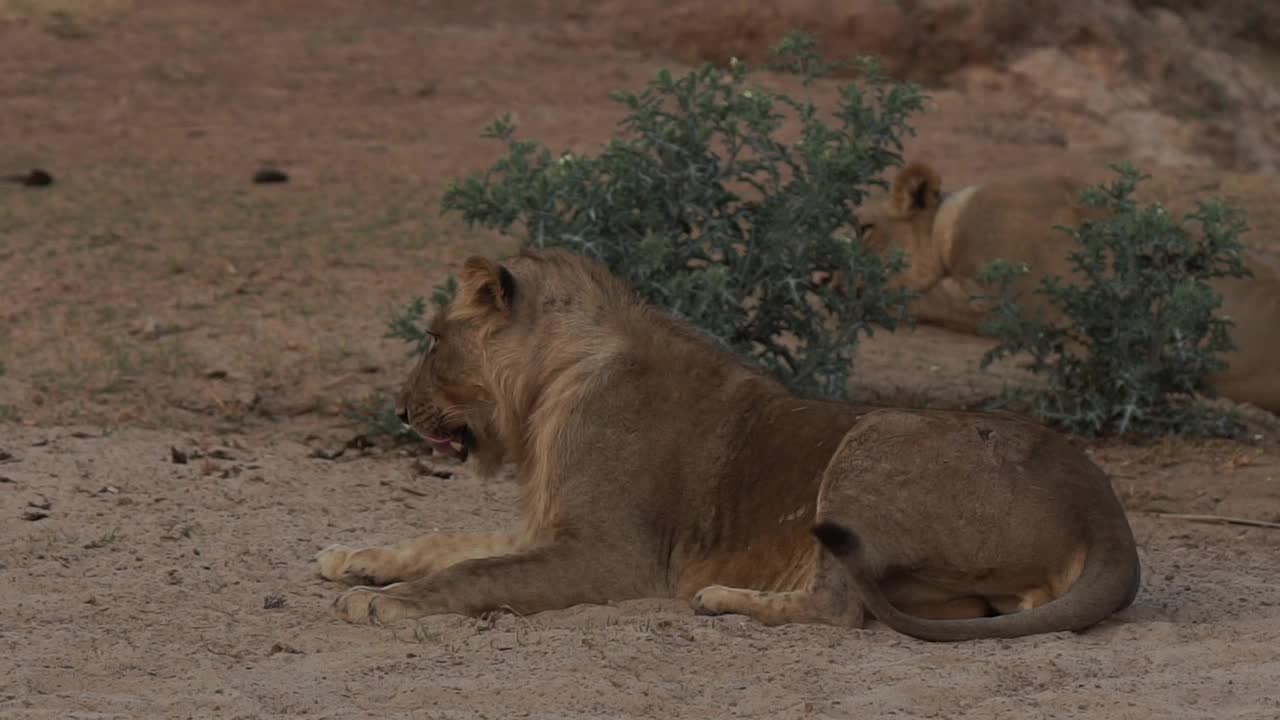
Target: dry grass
(69,19)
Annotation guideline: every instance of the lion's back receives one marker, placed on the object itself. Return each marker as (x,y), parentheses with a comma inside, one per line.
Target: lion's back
(1018,220)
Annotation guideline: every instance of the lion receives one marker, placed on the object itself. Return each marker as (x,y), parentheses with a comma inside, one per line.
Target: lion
(654,464)
(950,238)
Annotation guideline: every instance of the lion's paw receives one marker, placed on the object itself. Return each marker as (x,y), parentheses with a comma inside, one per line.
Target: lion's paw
(710,600)
(332,561)
(372,606)
(355,567)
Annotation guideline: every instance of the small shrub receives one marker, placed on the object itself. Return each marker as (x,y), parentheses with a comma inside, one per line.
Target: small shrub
(1139,333)
(377,414)
(380,420)
(425,634)
(702,208)
(103,541)
(408,326)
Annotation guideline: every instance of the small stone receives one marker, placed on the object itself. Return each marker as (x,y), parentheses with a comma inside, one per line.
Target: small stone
(35,178)
(270,175)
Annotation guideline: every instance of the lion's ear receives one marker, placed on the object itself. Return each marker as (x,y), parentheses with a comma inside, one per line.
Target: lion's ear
(487,284)
(917,187)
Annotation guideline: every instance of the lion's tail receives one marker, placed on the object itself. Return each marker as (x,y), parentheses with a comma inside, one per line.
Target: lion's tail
(1108,583)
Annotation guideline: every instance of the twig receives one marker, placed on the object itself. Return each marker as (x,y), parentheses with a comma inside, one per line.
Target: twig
(223,653)
(338,381)
(1221,519)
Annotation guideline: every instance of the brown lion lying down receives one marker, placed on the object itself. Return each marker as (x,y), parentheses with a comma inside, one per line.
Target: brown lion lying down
(951,239)
(652,464)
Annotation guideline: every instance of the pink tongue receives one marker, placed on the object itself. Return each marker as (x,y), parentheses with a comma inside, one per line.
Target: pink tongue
(441,444)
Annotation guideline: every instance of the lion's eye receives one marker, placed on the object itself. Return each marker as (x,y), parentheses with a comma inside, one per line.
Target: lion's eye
(866,228)
(435,339)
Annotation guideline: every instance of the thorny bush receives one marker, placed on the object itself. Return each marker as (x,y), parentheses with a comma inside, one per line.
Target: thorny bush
(1138,331)
(702,207)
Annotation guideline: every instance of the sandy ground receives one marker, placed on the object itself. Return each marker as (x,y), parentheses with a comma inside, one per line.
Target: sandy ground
(155,305)
(148,592)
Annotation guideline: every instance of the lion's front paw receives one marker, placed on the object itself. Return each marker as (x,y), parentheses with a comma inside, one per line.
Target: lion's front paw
(355,567)
(710,600)
(373,606)
(332,561)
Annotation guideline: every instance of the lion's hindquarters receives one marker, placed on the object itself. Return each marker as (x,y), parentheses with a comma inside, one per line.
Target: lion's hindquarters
(1253,306)
(966,504)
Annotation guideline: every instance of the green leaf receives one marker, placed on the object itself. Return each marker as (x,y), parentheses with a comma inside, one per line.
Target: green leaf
(718,199)
(1137,335)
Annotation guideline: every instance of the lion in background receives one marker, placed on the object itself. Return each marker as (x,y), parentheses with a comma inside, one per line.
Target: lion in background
(950,240)
(653,464)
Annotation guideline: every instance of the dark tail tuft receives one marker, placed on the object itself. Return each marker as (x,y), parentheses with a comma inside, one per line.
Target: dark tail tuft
(839,540)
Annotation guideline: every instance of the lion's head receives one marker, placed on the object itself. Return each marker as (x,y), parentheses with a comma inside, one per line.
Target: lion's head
(507,347)
(904,218)
(449,398)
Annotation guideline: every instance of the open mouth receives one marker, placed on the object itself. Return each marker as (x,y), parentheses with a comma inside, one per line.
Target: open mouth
(456,442)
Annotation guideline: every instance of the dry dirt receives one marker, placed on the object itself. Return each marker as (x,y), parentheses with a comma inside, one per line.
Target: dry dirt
(156,306)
